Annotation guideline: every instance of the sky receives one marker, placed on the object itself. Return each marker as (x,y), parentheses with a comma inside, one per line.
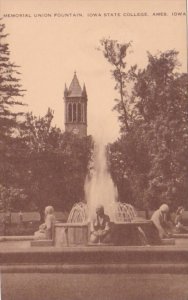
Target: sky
(50,39)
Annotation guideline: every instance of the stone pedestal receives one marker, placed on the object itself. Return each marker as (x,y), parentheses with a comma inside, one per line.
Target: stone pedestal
(70,234)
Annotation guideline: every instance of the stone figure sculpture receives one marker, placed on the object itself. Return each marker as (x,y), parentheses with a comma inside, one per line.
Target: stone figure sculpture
(100,227)
(46,229)
(159,219)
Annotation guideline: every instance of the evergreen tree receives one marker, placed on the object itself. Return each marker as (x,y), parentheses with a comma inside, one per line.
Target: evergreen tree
(11,147)
(10,90)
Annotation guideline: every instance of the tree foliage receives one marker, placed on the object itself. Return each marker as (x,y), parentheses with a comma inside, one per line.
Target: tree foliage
(39,165)
(10,89)
(116,54)
(11,93)
(149,162)
(11,197)
(55,165)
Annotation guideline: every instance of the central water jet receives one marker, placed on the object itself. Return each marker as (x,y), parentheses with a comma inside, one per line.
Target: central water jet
(99,187)
(101,190)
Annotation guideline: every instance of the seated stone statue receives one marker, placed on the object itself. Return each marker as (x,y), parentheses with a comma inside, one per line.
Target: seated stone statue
(100,227)
(159,219)
(46,229)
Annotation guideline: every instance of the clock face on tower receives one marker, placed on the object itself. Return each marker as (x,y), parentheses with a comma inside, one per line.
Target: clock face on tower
(75,130)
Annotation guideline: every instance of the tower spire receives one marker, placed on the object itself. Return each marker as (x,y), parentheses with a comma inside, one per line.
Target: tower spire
(75,88)
(65,90)
(84,93)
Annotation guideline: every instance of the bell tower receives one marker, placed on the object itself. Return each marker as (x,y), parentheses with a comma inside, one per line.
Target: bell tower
(75,99)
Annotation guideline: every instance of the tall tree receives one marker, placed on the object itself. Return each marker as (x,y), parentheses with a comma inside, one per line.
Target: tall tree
(149,161)
(11,93)
(10,90)
(162,103)
(116,55)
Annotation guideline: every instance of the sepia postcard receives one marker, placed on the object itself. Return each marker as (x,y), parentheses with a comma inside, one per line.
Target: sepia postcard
(93,141)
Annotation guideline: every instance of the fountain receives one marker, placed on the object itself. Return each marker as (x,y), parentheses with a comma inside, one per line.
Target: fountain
(87,271)
(122,212)
(79,213)
(99,190)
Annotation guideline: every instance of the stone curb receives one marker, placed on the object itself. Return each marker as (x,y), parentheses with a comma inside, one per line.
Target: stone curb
(16,238)
(100,269)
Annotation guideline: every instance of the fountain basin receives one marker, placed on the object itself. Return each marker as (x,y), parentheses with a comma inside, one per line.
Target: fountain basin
(123,234)
(135,233)
(70,234)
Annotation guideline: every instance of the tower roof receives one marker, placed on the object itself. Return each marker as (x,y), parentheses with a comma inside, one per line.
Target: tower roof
(75,88)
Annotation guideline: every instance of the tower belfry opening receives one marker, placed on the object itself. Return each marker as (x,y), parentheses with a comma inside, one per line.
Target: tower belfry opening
(75,99)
